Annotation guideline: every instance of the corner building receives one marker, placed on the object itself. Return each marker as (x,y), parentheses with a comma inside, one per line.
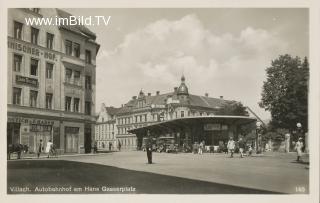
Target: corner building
(51,82)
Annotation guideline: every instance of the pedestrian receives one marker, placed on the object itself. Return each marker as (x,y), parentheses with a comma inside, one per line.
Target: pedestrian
(201,146)
(40,148)
(95,147)
(149,148)
(110,145)
(231,146)
(48,148)
(250,150)
(298,147)
(241,146)
(119,146)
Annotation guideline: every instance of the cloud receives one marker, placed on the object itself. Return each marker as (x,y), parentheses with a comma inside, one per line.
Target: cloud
(154,57)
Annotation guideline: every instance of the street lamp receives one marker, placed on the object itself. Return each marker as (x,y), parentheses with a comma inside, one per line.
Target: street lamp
(258,127)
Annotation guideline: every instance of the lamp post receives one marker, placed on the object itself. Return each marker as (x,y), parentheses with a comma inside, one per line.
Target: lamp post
(258,128)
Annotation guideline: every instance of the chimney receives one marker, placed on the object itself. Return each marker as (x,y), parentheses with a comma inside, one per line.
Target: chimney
(206,94)
(149,94)
(158,92)
(175,89)
(134,97)
(221,97)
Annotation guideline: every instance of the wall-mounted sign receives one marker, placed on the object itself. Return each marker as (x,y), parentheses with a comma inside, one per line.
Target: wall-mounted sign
(212,126)
(26,80)
(40,128)
(29,121)
(31,50)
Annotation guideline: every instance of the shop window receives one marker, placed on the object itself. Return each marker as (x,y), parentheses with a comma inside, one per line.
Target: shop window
(88,56)
(88,82)
(77,77)
(17,30)
(68,75)
(49,70)
(48,101)
(50,38)
(68,47)
(88,108)
(76,50)
(68,103)
(17,60)
(34,35)
(33,98)
(34,67)
(16,96)
(76,105)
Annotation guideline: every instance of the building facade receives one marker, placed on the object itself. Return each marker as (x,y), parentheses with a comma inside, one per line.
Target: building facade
(105,129)
(51,82)
(147,109)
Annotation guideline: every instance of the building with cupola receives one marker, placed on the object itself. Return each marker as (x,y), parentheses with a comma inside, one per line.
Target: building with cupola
(148,109)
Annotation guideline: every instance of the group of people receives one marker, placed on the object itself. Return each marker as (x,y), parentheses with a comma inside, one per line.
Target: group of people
(50,149)
(231,146)
(198,147)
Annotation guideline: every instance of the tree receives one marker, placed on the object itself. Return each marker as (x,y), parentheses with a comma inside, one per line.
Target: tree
(285,93)
(233,108)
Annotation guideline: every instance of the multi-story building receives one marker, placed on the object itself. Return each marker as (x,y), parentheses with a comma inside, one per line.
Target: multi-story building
(147,109)
(51,82)
(105,129)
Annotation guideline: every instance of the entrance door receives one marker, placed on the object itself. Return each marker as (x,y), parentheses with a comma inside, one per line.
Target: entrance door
(87,142)
(71,139)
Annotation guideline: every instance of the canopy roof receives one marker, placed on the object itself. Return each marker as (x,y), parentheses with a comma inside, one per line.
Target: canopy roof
(191,121)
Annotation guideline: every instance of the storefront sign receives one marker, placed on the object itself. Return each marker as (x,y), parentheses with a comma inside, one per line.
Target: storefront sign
(212,126)
(29,121)
(31,50)
(40,128)
(72,130)
(26,80)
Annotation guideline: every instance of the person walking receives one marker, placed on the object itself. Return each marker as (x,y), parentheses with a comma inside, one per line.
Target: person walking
(119,146)
(39,148)
(241,146)
(149,148)
(201,147)
(110,145)
(231,146)
(48,148)
(298,147)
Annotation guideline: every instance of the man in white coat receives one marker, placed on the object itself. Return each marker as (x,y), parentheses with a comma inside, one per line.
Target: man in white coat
(299,145)
(231,145)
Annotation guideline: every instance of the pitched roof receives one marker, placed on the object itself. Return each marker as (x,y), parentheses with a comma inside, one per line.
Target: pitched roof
(161,99)
(79,29)
(112,110)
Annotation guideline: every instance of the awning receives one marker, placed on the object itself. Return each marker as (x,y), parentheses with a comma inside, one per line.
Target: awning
(192,121)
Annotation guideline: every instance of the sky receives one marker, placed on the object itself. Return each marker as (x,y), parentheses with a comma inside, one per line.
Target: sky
(220,51)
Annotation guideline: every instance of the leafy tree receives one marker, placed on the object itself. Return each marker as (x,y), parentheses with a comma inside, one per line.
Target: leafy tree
(285,93)
(233,108)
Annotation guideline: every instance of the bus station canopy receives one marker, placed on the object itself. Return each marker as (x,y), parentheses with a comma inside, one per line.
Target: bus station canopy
(189,122)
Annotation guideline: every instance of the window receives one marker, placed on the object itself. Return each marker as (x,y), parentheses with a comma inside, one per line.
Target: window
(88,56)
(77,77)
(17,60)
(68,47)
(145,117)
(76,50)
(87,108)
(17,29)
(34,67)
(88,82)
(68,104)
(34,35)
(140,118)
(68,75)
(49,69)
(50,40)
(16,96)
(33,98)
(36,10)
(76,104)
(182,114)
(48,101)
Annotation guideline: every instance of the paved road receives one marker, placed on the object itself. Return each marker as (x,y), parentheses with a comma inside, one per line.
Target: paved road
(171,173)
